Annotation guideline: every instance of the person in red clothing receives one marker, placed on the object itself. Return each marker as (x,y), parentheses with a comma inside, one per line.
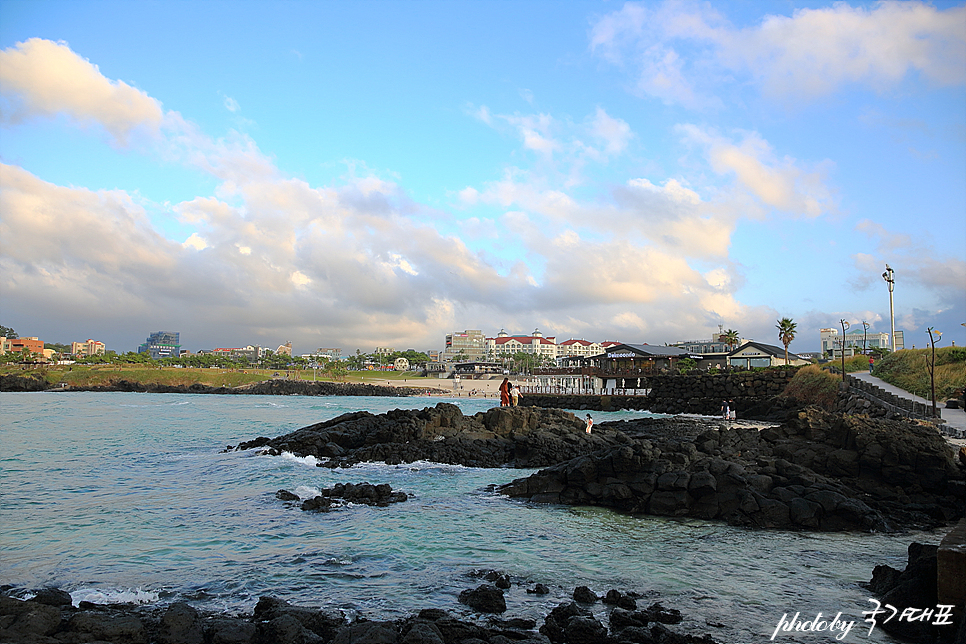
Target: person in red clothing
(505,393)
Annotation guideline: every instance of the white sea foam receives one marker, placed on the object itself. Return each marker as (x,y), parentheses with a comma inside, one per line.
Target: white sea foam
(307,492)
(310,460)
(113,596)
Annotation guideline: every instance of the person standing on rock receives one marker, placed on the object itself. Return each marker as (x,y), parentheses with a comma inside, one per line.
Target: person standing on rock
(505,393)
(732,412)
(590,423)
(725,412)
(515,394)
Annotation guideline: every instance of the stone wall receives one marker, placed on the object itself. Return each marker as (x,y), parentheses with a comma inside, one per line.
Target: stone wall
(697,394)
(881,403)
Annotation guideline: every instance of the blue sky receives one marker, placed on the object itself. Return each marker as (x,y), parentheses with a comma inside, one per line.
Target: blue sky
(382,173)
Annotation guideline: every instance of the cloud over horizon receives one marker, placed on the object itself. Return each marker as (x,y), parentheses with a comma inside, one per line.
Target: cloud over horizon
(578,231)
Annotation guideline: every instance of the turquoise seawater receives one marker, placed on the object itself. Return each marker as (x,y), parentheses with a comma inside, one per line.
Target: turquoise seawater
(119,497)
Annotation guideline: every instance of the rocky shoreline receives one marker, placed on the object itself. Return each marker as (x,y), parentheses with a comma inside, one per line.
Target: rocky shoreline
(50,618)
(815,471)
(277,387)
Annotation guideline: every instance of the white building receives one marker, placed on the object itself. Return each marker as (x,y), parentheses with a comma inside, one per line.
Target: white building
(506,345)
(854,342)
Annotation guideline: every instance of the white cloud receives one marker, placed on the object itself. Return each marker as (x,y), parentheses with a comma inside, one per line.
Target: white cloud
(195,241)
(231,104)
(43,78)
(614,132)
(676,47)
(777,183)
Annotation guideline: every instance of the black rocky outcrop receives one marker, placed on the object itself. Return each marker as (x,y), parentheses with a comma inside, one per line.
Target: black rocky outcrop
(275,621)
(275,387)
(913,588)
(23,382)
(498,437)
(817,471)
(343,493)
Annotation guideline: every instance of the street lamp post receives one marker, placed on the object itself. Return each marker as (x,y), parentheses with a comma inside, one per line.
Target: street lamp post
(865,335)
(890,277)
(933,336)
(845,326)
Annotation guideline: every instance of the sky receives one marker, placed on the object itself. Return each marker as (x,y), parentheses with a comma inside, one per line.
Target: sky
(379,174)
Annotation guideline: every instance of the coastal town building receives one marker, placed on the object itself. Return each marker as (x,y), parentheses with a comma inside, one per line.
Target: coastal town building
(753,354)
(284,349)
(252,352)
(505,345)
(575,348)
(332,354)
(162,344)
(466,346)
(855,342)
(17,345)
(87,349)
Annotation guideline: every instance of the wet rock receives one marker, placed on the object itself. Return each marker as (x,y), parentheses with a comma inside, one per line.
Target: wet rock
(423,633)
(368,632)
(484,599)
(584,595)
(285,495)
(181,624)
(539,589)
(53,597)
(231,631)
(359,493)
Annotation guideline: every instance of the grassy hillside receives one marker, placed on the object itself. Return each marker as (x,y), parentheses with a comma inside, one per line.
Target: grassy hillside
(908,370)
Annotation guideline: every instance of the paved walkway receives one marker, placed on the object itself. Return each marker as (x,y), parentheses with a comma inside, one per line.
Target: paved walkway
(955,418)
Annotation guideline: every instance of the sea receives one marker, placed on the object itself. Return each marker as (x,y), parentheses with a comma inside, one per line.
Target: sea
(129,497)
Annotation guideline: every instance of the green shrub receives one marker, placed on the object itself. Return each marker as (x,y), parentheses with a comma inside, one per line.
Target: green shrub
(813,385)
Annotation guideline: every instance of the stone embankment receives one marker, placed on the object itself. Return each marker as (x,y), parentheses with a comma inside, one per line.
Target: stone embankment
(817,471)
(50,617)
(752,393)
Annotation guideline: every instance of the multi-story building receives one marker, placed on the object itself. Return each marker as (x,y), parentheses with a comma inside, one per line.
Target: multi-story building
(468,346)
(87,349)
(253,352)
(162,344)
(506,345)
(284,349)
(331,354)
(574,348)
(18,345)
(855,341)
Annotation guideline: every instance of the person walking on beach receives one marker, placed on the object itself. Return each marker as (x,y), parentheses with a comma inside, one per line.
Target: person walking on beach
(505,393)
(725,412)
(732,412)
(590,423)
(515,394)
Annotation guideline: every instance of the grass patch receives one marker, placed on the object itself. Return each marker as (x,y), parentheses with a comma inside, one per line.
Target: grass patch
(813,385)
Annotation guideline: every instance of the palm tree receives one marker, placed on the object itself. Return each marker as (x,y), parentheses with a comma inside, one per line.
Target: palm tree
(732,338)
(786,333)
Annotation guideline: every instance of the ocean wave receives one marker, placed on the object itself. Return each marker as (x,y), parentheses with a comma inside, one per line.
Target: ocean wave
(113,596)
(310,460)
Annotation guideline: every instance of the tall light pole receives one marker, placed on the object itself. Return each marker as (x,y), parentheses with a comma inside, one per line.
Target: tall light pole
(890,277)
(933,336)
(845,326)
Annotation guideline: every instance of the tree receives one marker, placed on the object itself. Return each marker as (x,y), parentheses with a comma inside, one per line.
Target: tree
(732,338)
(687,365)
(7,332)
(786,333)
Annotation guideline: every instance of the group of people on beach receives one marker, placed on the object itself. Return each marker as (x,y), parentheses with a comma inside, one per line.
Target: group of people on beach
(728,411)
(509,393)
